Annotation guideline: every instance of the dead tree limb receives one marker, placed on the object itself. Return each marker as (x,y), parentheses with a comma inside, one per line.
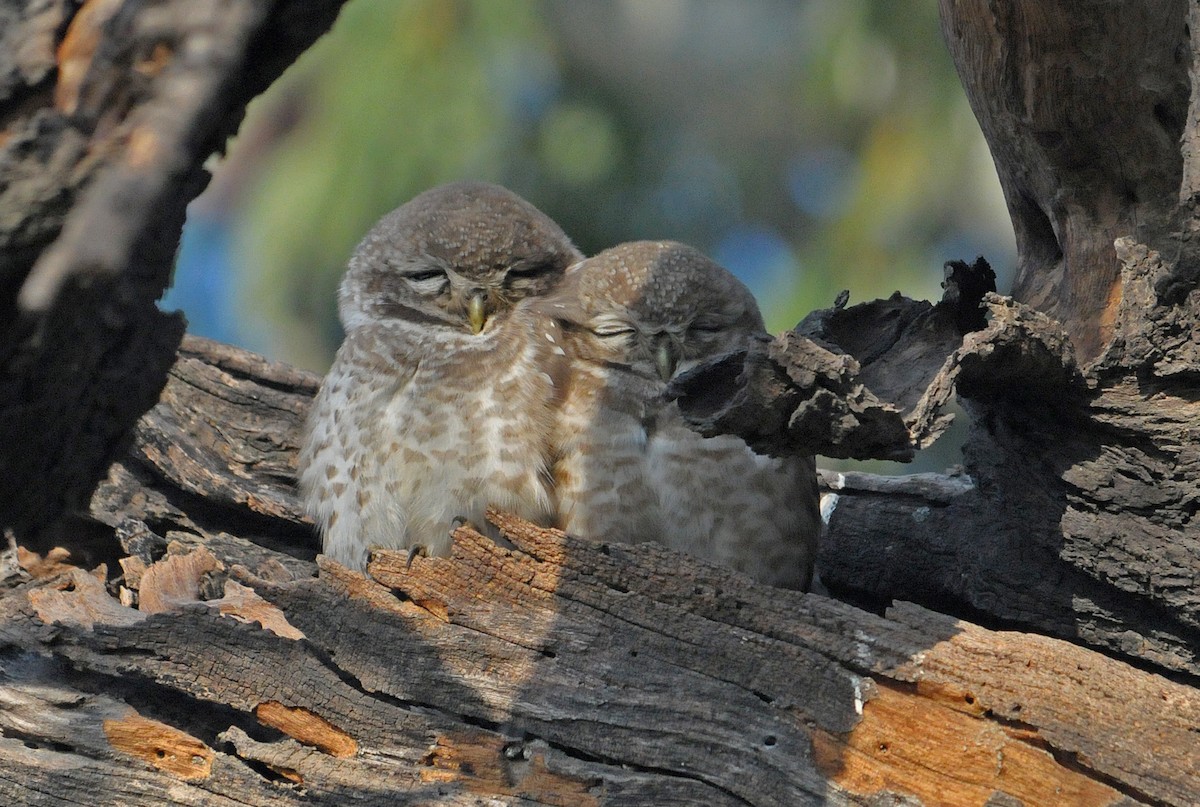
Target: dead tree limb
(214,659)
(108,111)
(560,671)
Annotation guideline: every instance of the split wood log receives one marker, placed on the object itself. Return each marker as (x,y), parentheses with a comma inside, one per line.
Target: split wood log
(560,671)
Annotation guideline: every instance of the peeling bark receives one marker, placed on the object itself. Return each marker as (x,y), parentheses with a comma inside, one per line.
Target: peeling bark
(185,643)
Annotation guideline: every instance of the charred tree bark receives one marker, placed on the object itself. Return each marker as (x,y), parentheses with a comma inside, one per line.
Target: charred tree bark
(1077,512)
(213,658)
(108,110)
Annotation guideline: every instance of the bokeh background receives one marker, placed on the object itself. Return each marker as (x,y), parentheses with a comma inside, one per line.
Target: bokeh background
(807,145)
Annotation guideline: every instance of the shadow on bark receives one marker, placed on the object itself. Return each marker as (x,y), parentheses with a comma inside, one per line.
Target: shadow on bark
(213,660)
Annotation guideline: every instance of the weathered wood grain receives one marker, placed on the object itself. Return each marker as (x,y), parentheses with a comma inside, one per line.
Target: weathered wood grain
(213,658)
(1083,105)
(865,382)
(1081,519)
(108,110)
(564,671)
(346,615)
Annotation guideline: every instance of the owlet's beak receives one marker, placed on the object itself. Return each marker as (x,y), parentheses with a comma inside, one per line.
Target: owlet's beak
(665,359)
(476,313)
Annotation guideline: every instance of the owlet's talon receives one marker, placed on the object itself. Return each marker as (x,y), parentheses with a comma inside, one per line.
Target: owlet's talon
(368,555)
(416,549)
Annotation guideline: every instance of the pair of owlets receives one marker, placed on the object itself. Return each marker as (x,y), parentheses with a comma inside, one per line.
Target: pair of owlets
(486,362)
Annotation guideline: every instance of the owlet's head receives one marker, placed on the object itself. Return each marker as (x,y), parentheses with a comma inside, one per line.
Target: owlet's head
(459,256)
(656,308)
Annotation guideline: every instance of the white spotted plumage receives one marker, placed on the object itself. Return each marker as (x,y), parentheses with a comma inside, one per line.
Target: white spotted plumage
(467,379)
(627,466)
(421,419)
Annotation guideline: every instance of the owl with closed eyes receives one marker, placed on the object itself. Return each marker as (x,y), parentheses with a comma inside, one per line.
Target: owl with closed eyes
(627,467)
(440,400)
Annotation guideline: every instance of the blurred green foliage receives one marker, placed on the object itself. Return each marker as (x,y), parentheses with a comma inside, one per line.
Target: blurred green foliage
(397,99)
(809,146)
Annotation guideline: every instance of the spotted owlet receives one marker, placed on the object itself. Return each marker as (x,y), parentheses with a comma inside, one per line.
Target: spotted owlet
(628,468)
(440,398)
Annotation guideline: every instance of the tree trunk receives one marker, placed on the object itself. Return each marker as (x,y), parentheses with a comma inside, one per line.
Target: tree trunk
(1082,518)
(109,111)
(1076,514)
(1083,105)
(213,658)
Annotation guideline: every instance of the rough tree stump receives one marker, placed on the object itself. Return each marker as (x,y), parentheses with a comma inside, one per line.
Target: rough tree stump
(185,644)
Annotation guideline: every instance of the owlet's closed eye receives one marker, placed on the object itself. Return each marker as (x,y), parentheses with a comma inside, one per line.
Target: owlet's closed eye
(529,270)
(531,277)
(610,331)
(707,326)
(427,282)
